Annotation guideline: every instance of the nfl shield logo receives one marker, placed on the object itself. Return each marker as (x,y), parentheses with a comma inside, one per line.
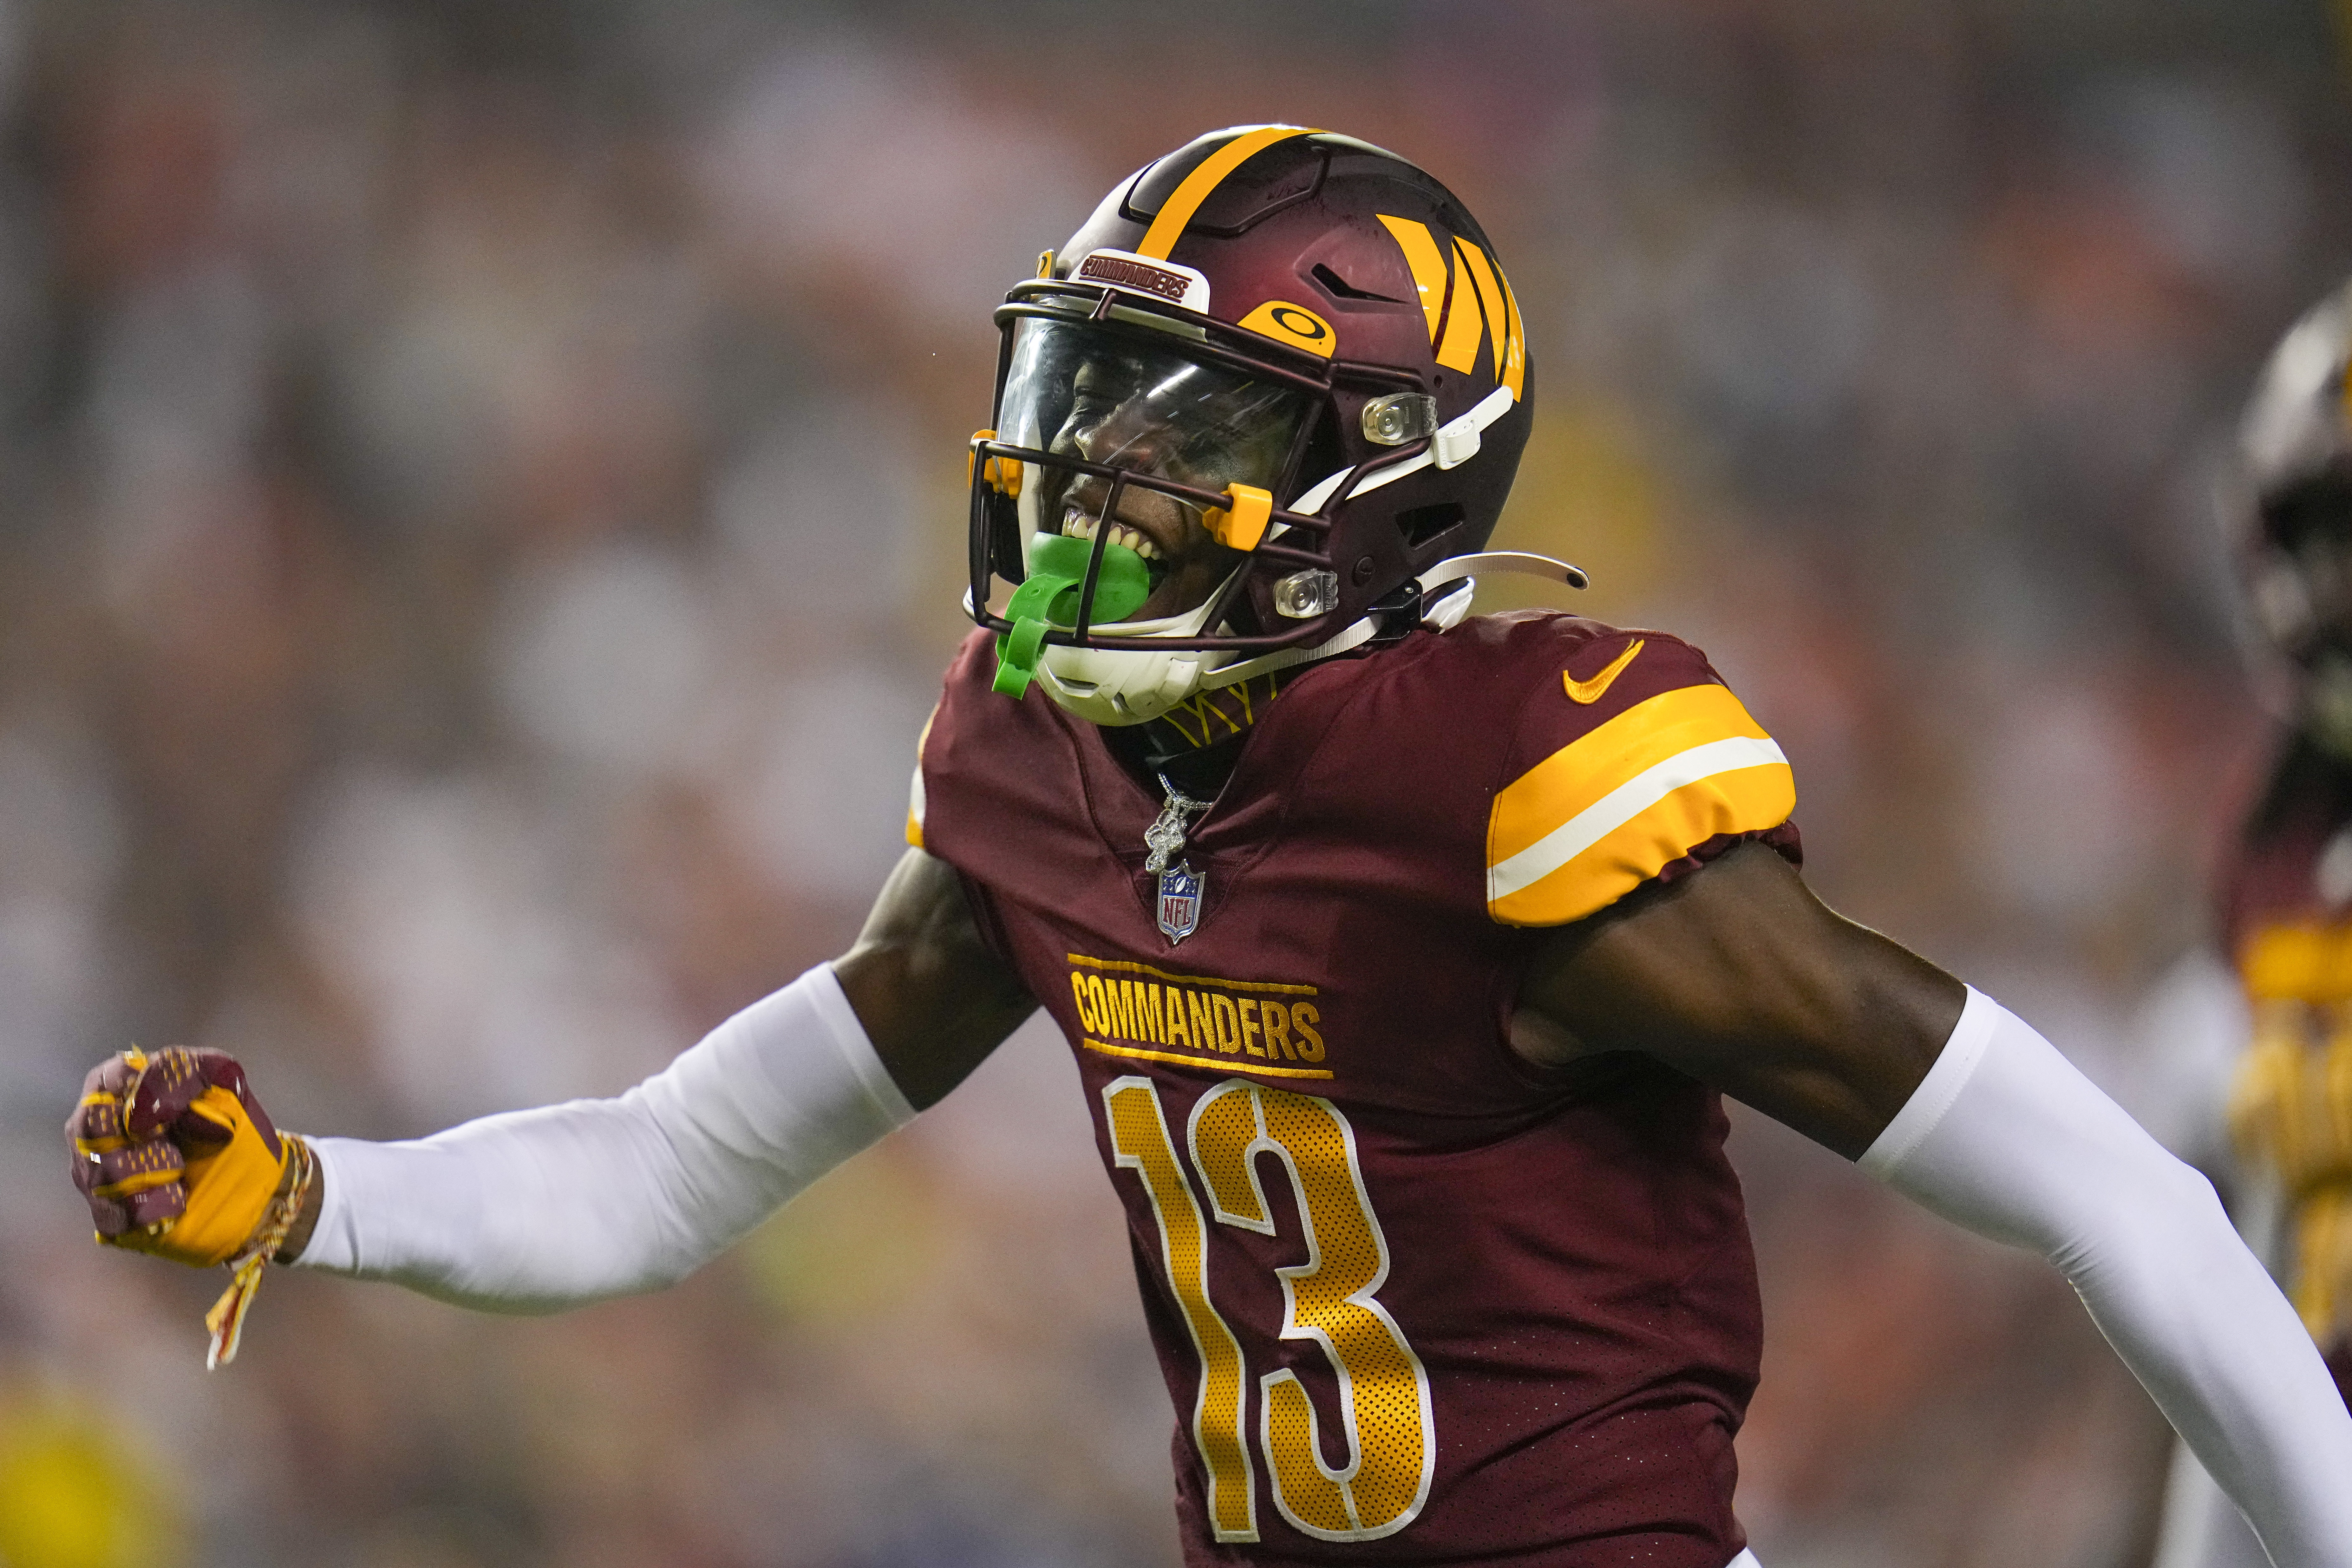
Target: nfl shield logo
(1180,901)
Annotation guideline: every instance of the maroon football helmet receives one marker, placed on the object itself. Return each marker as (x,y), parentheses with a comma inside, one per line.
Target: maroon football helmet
(1274,379)
(2292,517)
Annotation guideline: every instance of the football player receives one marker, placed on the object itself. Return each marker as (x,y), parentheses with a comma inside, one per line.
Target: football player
(2285,904)
(1404,956)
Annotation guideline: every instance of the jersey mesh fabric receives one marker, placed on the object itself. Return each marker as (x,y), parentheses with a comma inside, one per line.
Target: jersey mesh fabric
(1484,1311)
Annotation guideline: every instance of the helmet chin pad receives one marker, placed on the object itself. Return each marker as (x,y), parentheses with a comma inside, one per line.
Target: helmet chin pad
(1130,686)
(1120,686)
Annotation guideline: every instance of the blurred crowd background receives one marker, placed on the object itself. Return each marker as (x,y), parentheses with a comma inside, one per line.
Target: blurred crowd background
(482,526)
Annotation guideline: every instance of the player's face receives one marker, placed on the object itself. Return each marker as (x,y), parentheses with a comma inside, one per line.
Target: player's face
(1131,404)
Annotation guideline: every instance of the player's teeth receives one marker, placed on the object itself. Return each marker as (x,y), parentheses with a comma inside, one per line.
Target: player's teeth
(1076,525)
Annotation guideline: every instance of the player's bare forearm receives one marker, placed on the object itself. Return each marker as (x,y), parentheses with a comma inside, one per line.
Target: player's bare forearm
(1740,976)
(932,996)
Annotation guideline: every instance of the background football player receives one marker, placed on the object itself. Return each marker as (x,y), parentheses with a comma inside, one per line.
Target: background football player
(1403,957)
(2285,909)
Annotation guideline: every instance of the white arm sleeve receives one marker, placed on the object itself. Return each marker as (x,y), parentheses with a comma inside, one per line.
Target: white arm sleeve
(538,1210)
(2004,1136)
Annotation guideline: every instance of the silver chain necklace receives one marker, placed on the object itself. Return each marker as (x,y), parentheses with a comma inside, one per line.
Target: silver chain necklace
(1182,890)
(1165,836)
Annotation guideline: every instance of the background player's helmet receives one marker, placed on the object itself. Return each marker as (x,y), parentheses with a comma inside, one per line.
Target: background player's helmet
(2294,515)
(1274,379)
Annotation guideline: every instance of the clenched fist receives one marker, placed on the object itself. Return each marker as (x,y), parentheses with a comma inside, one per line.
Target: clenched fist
(176,1156)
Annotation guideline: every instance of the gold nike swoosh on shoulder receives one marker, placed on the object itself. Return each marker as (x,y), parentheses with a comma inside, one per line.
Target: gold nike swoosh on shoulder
(1592,690)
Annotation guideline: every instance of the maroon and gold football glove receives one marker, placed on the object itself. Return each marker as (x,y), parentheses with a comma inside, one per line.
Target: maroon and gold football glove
(176,1158)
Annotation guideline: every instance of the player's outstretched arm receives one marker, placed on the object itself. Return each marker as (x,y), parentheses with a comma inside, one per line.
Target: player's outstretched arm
(1737,976)
(536,1210)
(1740,976)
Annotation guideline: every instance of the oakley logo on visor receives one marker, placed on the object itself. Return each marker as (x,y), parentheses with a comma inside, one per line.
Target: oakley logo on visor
(1179,285)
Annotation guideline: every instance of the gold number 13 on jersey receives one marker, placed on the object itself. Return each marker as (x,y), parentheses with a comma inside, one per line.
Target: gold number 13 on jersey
(1391,1445)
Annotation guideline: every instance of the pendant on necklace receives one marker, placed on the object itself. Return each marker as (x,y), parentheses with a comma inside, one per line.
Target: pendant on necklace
(1182,889)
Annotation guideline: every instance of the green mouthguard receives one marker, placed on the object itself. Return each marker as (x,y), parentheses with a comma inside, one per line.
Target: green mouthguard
(1049,595)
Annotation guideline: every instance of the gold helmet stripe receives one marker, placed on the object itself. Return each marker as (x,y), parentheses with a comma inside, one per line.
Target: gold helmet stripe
(1490,299)
(1178,210)
(1466,326)
(1515,362)
(1428,263)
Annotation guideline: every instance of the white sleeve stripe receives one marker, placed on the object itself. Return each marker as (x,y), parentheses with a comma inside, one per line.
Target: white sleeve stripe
(1934,1095)
(1621,806)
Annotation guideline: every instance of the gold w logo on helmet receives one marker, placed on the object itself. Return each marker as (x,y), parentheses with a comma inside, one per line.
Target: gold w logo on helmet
(1467,300)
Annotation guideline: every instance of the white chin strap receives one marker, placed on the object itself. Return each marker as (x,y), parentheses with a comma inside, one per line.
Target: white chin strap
(1441,612)
(1519,562)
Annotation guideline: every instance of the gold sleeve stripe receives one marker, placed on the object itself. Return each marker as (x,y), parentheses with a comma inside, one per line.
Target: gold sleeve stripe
(1746,786)
(1428,263)
(1168,227)
(2297,963)
(1604,813)
(1627,803)
(915,789)
(1490,301)
(1580,773)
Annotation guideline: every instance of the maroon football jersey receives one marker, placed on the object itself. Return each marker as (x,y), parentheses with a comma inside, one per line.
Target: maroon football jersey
(1416,1301)
(2286,912)
(2273,879)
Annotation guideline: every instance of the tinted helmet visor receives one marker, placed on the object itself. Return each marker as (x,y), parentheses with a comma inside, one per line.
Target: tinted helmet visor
(1134,406)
